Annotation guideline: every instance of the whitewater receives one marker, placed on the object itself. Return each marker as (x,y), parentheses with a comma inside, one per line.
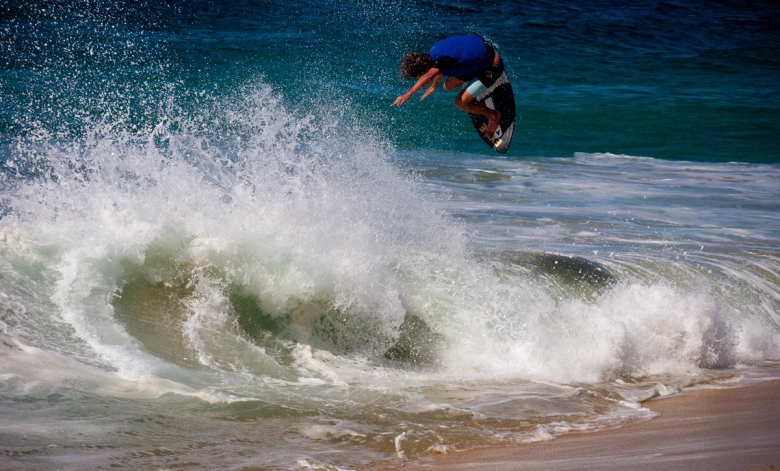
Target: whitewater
(268,287)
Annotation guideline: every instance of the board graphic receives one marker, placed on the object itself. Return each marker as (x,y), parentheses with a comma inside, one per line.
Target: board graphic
(498,97)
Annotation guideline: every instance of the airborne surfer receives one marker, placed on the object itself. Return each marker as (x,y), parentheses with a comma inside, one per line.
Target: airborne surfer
(461,59)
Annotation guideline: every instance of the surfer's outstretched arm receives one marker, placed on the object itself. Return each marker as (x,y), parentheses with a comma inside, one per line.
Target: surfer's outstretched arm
(433,86)
(421,82)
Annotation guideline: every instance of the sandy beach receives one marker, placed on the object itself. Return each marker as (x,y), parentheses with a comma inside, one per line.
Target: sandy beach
(723,429)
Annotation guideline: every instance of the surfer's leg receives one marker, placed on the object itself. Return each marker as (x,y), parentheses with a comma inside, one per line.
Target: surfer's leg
(452,83)
(466,102)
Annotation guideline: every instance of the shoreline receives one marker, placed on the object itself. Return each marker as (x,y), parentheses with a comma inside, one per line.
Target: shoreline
(714,429)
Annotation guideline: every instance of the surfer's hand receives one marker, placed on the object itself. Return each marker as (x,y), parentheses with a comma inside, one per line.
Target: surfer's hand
(421,82)
(401,99)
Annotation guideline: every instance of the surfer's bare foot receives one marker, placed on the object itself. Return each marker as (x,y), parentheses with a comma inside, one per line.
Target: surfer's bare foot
(494,121)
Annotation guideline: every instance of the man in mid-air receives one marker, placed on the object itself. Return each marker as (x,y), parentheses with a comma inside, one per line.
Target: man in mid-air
(461,59)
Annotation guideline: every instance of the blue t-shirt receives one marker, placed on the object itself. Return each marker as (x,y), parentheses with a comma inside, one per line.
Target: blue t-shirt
(461,56)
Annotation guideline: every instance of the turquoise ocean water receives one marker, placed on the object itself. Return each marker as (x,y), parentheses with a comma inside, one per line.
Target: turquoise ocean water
(221,248)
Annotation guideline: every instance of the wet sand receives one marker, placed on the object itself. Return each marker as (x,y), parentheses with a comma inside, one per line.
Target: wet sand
(724,429)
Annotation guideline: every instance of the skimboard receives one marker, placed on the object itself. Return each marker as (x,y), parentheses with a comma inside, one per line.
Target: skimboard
(501,98)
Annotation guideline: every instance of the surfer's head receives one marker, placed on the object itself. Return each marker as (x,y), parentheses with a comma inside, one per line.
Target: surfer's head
(415,65)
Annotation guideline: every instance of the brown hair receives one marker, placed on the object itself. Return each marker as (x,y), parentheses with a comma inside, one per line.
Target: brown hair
(415,65)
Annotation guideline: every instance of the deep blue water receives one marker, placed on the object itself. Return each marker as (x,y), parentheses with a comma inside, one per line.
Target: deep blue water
(682,80)
(222,248)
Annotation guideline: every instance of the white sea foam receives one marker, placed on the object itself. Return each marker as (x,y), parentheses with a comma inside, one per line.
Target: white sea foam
(358,242)
(266,261)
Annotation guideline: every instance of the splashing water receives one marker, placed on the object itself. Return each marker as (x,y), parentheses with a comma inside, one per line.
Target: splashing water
(192,278)
(265,268)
